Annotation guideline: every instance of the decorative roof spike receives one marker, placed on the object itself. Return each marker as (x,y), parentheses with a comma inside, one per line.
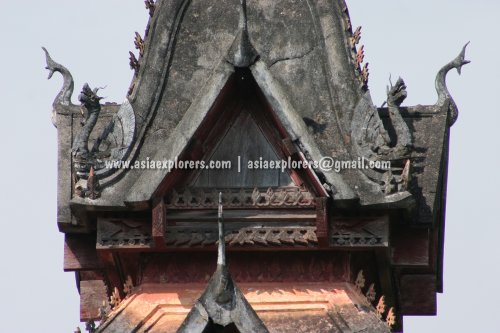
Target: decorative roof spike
(365,74)
(90,326)
(348,24)
(128,286)
(139,44)
(371,295)
(381,307)
(406,176)
(221,258)
(222,303)
(242,53)
(356,37)
(93,186)
(360,281)
(103,311)
(151,6)
(114,299)
(134,63)
(360,56)
(391,318)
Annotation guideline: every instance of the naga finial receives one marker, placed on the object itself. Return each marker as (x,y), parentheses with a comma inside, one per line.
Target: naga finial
(444,95)
(91,102)
(64,96)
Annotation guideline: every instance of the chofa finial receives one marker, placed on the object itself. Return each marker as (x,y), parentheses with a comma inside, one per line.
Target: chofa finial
(64,95)
(444,96)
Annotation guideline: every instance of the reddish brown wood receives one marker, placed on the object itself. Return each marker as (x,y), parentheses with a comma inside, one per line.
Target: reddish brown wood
(418,295)
(159,224)
(410,246)
(273,266)
(92,295)
(80,253)
(112,270)
(322,221)
(245,215)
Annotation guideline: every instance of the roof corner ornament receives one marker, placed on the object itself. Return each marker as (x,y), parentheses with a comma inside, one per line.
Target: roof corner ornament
(90,102)
(112,145)
(373,142)
(242,53)
(64,95)
(444,96)
(151,6)
(134,63)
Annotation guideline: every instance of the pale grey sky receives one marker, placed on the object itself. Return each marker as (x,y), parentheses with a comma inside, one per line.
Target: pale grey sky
(92,38)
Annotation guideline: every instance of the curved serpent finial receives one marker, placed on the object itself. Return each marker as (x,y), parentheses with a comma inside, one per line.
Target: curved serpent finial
(396,94)
(444,95)
(91,102)
(64,96)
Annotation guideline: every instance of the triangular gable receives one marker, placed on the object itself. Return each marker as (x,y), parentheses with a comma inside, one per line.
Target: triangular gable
(244,144)
(207,118)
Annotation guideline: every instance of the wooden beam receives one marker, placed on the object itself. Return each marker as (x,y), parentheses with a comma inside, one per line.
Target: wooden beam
(159,223)
(92,295)
(418,295)
(80,253)
(245,215)
(410,246)
(322,221)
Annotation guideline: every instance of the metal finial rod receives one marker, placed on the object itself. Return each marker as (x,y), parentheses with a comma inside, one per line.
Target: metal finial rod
(243,15)
(221,259)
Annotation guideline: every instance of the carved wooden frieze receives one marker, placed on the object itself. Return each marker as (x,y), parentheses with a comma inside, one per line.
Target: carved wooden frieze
(123,233)
(361,232)
(240,198)
(246,236)
(269,266)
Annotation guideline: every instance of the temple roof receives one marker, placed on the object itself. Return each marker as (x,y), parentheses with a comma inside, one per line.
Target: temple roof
(303,58)
(285,79)
(282,307)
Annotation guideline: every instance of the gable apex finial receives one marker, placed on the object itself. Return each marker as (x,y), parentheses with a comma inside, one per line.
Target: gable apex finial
(242,53)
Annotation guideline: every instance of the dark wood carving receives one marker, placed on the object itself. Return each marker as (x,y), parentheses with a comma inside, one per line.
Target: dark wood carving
(159,223)
(249,236)
(241,198)
(123,233)
(360,232)
(248,267)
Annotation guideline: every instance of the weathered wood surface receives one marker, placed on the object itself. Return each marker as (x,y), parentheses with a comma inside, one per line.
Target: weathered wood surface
(80,253)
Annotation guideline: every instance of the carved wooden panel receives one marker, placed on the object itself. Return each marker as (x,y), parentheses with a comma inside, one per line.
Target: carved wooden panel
(240,198)
(246,236)
(360,232)
(123,233)
(248,267)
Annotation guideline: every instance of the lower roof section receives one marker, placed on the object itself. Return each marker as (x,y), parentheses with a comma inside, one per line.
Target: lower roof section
(284,307)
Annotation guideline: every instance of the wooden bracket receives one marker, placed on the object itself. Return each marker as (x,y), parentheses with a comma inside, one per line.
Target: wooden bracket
(322,221)
(159,223)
